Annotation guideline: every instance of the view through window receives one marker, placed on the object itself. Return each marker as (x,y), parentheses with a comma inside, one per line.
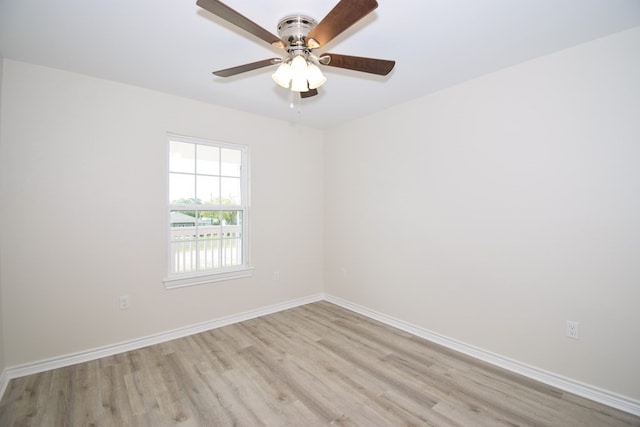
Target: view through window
(207,207)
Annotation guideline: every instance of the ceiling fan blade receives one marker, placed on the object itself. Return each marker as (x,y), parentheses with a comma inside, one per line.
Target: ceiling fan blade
(309,93)
(225,12)
(246,67)
(381,67)
(342,16)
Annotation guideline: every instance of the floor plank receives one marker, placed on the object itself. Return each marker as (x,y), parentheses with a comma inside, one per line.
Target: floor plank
(315,365)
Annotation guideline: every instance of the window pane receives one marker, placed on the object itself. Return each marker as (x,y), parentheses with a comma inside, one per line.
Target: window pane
(182,188)
(231,239)
(208,236)
(231,162)
(208,160)
(183,242)
(231,219)
(208,189)
(182,157)
(231,191)
(207,218)
(181,219)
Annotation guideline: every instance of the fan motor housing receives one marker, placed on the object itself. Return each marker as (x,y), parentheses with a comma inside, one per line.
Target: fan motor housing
(293,29)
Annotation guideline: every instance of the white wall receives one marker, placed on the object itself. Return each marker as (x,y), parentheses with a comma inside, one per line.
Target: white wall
(83,212)
(2,364)
(494,211)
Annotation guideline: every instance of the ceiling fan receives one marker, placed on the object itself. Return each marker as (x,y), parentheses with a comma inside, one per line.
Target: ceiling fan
(299,35)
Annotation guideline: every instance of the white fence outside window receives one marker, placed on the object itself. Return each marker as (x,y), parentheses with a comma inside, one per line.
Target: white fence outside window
(207,247)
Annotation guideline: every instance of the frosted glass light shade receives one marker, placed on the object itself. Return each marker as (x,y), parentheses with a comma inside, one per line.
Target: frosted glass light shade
(299,74)
(315,76)
(299,64)
(282,76)
(299,84)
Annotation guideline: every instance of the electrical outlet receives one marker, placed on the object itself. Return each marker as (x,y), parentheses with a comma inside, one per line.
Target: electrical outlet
(124,302)
(573,330)
(276,276)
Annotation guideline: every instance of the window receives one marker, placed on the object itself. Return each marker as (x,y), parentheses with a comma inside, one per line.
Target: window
(207,211)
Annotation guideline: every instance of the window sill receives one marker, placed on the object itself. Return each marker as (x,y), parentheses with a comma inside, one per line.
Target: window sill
(195,280)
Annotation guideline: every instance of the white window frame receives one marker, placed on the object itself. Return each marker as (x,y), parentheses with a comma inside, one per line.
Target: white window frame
(178,280)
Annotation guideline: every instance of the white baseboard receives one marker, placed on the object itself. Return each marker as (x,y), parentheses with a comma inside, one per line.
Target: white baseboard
(93,354)
(4,382)
(563,383)
(596,394)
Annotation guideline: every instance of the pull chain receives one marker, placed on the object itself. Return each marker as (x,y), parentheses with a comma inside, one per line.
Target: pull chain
(292,103)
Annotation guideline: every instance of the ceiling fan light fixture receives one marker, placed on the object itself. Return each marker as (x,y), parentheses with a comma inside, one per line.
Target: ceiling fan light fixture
(299,74)
(282,76)
(299,84)
(299,35)
(299,65)
(315,76)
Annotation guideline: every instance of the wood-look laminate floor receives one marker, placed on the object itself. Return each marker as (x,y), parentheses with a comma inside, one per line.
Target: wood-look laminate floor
(315,365)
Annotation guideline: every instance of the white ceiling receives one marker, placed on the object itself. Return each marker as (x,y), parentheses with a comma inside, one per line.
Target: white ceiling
(172,46)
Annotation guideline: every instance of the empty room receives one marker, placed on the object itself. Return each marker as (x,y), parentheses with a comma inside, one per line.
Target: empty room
(320,212)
